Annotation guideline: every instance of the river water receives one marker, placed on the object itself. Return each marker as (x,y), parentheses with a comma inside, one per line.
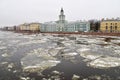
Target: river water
(59,57)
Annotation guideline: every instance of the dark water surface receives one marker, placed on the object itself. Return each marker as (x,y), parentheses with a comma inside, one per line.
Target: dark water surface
(11,67)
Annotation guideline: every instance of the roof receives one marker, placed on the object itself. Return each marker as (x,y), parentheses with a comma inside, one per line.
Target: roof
(109,20)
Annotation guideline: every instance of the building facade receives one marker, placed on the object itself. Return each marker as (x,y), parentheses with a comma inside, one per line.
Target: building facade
(110,26)
(24,27)
(77,26)
(33,27)
(49,27)
(63,26)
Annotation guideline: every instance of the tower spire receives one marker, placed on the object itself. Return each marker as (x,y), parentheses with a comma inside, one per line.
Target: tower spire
(62,16)
(62,9)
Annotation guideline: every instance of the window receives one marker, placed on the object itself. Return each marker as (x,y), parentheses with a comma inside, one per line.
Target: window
(111,27)
(111,23)
(106,27)
(115,27)
(115,23)
(106,23)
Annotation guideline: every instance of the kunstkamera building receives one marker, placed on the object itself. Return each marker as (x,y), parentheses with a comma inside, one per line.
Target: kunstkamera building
(64,26)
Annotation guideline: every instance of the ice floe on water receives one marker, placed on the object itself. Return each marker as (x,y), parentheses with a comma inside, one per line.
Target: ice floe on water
(71,54)
(68,43)
(15,41)
(54,51)
(90,56)
(2,47)
(38,60)
(83,49)
(117,52)
(105,62)
(32,42)
(75,77)
(5,55)
(99,57)
(42,52)
(24,78)
(95,41)
(41,66)
(3,63)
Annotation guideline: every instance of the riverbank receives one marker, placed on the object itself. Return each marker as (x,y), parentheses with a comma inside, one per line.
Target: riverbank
(84,33)
(69,33)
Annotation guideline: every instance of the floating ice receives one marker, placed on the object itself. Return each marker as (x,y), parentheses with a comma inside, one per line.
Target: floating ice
(83,49)
(24,78)
(56,72)
(15,41)
(3,63)
(11,65)
(39,60)
(2,47)
(115,41)
(75,77)
(54,51)
(33,42)
(89,55)
(40,67)
(41,52)
(68,43)
(105,62)
(70,54)
(5,55)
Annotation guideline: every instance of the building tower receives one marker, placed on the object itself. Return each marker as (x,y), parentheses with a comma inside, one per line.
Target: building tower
(62,16)
(61,22)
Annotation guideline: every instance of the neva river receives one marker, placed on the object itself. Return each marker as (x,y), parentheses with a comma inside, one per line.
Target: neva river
(59,57)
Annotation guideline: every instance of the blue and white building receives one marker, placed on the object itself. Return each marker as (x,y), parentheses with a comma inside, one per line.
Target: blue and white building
(63,26)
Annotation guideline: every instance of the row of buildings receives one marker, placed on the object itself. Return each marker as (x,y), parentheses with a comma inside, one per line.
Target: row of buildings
(61,25)
(26,27)
(64,26)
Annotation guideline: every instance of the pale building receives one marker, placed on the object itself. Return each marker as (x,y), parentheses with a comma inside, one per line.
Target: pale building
(24,27)
(78,26)
(63,26)
(49,27)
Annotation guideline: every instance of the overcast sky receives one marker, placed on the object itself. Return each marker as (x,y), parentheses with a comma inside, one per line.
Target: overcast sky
(14,12)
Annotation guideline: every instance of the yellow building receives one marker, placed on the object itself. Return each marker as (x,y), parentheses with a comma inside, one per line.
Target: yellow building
(33,27)
(24,27)
(110,26)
